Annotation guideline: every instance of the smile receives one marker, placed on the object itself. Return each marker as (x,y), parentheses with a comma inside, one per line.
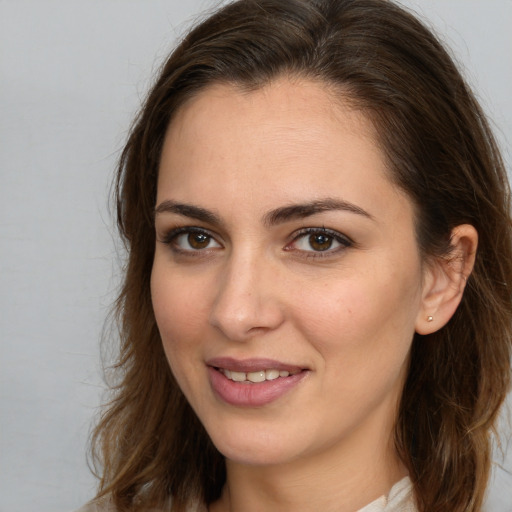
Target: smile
(253,382)
(256,376)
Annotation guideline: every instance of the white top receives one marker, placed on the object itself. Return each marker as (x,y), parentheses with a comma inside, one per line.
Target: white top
(399,499)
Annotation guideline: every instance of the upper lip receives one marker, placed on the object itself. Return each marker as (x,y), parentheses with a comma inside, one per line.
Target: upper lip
(251,365)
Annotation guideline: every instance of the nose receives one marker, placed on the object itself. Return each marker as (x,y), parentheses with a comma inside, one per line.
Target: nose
(247,300)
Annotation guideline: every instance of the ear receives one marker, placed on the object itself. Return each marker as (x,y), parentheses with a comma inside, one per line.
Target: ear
(445,279)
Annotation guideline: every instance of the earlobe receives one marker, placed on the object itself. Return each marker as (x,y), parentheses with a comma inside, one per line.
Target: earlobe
(445,280)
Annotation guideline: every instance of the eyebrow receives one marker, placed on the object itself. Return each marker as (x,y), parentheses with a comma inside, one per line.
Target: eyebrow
(301,211)
(272,218)
(188,210)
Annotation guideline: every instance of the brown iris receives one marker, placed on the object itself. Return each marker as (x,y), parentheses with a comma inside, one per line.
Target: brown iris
(320,241)
(198,240)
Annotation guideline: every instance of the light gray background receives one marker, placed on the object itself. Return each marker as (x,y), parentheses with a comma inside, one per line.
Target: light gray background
(72,74)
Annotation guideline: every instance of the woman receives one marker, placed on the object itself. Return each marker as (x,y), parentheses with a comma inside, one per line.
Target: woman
(317,302)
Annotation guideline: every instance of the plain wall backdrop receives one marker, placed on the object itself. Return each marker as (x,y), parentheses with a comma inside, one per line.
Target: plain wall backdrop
(72,75)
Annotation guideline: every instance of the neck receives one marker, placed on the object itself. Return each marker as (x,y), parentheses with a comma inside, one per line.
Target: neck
(339,479)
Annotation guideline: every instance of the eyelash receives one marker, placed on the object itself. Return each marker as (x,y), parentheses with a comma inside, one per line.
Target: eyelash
(172,235)
(334,236)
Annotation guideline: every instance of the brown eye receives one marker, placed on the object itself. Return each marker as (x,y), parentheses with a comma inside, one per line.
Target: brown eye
(191,240)
(198,240)
(320,241)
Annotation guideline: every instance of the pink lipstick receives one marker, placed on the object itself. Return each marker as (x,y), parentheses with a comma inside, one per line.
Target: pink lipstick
(252,382)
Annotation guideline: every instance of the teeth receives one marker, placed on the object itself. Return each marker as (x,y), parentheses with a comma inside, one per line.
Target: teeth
(238,376)
(255,377)
(271,374)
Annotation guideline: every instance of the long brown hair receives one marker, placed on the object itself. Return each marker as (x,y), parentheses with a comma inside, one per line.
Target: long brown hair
(440,150)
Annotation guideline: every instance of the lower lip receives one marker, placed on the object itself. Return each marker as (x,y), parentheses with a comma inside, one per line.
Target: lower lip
(248,394)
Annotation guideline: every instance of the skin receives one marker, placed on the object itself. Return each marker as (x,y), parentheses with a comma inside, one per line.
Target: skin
(259,289)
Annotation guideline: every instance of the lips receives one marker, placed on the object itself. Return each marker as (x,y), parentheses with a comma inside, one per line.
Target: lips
(252,382)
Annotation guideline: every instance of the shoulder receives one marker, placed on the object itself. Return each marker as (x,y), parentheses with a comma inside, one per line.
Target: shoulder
(401,497)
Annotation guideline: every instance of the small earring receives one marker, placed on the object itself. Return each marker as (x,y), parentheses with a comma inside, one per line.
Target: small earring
(430,318)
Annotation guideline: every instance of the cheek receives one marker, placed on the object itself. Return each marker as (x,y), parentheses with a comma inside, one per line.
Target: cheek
(363,347)
(172,315)
(179,314)
(362,322)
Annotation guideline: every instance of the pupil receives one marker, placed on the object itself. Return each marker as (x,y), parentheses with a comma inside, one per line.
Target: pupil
(320,242)
(198,240)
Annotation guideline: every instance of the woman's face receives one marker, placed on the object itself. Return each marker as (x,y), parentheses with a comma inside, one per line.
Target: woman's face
(287,282)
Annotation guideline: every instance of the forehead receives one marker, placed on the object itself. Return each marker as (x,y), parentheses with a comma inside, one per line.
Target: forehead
(279,143)
(286,111)
(287,103)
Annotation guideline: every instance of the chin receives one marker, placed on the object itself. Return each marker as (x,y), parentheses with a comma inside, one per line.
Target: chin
(255,455)
(257,446)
